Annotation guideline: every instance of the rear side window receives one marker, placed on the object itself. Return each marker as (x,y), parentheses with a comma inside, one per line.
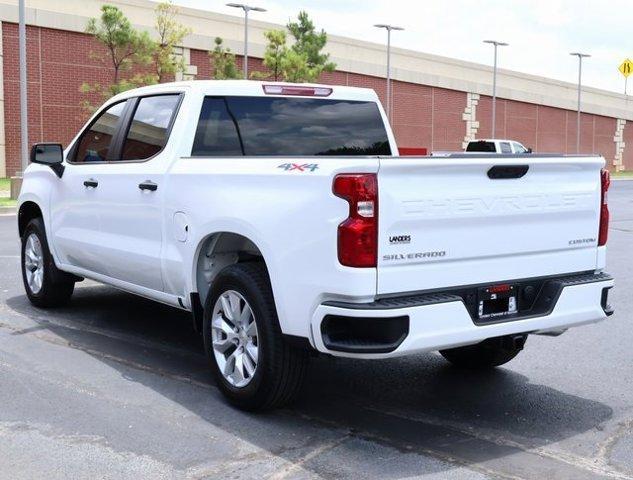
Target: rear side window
(505,147)
(149,128)
(265,126)
(216,134)
(94,144)
(481,147)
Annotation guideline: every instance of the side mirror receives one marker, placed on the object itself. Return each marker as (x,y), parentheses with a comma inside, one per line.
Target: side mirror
(51,154)
(529,150)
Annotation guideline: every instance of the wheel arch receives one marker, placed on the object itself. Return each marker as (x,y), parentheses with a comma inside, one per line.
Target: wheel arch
(214,252)
(28,211)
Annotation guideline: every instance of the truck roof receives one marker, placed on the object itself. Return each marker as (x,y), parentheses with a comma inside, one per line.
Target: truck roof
(493,140)
(249,88)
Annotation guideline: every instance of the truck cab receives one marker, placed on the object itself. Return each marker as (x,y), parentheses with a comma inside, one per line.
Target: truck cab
(499,146)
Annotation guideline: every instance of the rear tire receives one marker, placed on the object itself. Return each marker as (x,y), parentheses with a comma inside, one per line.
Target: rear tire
(254,367)
(46,286)
(488,354)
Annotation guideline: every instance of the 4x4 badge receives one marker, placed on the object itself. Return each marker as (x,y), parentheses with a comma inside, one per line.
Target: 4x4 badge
(301,168)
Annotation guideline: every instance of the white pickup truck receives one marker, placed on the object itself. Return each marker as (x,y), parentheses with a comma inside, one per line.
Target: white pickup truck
(495,145)
(278,215)
(489,146)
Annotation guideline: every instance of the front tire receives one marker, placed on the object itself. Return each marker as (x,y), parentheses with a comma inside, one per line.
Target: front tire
(490,353)
(254,367)
(45,285)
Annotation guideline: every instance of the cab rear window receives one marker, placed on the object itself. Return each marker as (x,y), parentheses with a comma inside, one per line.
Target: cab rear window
(277,126)
(481,147)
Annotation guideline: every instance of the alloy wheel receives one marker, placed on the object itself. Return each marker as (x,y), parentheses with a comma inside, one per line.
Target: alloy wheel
(234,338)
(34,263)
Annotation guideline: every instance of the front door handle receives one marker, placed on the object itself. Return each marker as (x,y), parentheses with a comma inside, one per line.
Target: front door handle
(92,183)
(148,185)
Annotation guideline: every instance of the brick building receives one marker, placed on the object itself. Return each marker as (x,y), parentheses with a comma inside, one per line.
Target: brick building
(438,103)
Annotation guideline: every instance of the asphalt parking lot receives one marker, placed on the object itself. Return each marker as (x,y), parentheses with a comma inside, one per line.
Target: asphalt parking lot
(115,386)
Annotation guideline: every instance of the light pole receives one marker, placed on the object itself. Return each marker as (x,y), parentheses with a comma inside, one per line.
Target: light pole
(246,8)
(494,83)
(580,57)
(24,134)
(389,28)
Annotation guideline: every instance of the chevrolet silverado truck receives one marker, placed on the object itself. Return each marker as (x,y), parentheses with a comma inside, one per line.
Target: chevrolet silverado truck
(280,217)
(494,145)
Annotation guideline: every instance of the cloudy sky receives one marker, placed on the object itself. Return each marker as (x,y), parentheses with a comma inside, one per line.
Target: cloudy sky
(541,33)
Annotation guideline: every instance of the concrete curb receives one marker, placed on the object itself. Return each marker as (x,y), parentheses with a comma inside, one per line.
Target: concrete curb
(8,210)
(625,179)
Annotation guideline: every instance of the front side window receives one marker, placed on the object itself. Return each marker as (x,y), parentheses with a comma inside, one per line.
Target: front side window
(149,129)
(94,144)
(518,148)
(505,147)
(277,126)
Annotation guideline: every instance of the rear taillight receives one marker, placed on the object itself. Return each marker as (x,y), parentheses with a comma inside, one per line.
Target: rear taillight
(358,234)
(603,234)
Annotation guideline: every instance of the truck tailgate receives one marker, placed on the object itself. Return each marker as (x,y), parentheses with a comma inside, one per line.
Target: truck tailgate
(443,222)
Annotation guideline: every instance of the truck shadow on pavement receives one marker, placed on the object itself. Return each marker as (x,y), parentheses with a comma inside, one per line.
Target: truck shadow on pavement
(416,404)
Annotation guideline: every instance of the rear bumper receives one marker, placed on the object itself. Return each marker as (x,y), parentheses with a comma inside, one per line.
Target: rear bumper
(438,321)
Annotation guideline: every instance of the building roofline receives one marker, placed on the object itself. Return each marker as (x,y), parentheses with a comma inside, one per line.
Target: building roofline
(350,55)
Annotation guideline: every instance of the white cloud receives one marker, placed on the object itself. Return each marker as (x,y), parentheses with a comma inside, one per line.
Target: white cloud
(541,33)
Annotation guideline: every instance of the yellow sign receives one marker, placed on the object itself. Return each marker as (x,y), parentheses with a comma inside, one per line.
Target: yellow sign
(626,68)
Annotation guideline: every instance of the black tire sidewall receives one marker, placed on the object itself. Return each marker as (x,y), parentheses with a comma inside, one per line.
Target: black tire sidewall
(55,290)
(239,279)
(36,226)
(490,353)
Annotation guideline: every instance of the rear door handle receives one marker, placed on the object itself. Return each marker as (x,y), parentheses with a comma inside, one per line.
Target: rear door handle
(148,185)
(92,183)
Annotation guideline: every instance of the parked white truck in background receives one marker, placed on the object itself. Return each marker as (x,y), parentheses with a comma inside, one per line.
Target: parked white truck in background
(495,145)
(278,215)
(489,146)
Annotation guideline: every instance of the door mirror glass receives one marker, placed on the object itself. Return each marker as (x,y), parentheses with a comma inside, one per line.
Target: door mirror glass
(47,153)
(51,154)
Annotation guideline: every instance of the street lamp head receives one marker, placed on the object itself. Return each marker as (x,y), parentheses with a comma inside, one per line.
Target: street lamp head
(388,27)
(246,8)
(580,55)
(497,43)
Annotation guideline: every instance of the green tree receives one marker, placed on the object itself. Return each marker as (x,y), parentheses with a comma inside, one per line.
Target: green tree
(274,55)
(310,43)
(224,65)
(294,67)
(170,35)
(124,47)
(304,60)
